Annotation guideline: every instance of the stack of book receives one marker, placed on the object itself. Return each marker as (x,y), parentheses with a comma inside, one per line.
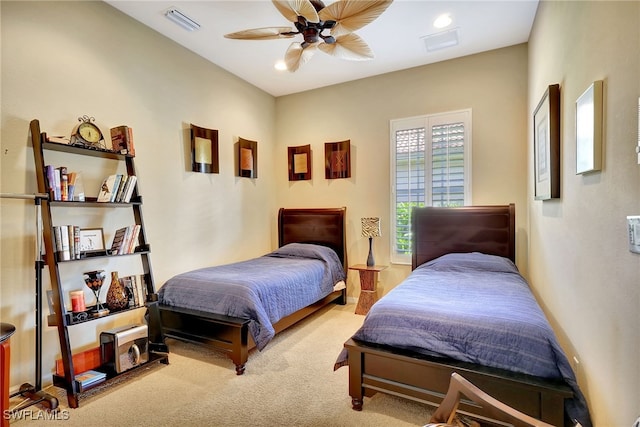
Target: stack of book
(136,287)
(90,377)
(61,183)
(125,240)
(67,242)
(117,188)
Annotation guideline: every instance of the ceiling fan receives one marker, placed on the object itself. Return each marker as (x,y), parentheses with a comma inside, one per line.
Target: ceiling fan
(312,18)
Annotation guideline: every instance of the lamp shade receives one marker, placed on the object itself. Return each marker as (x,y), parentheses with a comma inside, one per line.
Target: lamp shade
(370,227)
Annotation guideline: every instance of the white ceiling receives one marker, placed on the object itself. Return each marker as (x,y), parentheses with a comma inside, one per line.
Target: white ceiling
(395,37)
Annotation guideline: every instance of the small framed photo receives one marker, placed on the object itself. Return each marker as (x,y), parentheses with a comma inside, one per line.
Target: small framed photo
(589,129)
(91,240)
(337,159)
(204,150)
(299,163)
(247,158)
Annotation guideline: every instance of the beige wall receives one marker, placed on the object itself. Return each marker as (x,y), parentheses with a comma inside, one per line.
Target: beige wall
(573,249)
(580,266)
(492,84)
(61,60)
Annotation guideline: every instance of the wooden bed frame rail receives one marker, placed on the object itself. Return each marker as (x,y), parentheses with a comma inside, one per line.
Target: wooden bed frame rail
(426,380)
(229,335)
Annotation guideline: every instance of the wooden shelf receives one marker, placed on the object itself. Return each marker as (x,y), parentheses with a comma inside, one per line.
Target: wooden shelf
(63,319)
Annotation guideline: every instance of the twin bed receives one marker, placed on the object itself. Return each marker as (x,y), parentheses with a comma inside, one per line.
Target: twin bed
(235,307)
(465,308)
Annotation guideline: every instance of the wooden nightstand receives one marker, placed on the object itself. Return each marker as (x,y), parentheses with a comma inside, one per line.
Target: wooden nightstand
(368,282)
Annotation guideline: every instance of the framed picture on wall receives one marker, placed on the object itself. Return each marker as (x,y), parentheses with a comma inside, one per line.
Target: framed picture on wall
(204,150)
(589,129)
(299,159)
(546,145)
(337,159)
(247,158)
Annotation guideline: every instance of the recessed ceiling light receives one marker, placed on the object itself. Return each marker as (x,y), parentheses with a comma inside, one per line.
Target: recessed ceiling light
(280,65)
(442,21)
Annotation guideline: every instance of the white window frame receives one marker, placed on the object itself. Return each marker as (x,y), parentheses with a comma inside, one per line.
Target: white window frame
(427,122)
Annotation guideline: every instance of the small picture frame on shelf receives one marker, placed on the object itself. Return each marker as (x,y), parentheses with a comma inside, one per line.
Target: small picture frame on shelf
(299,159)
(91,240)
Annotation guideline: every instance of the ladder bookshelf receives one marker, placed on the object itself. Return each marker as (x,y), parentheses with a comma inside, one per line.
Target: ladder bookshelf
(64,319)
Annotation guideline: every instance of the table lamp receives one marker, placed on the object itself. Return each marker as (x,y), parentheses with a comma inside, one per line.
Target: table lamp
(370,229)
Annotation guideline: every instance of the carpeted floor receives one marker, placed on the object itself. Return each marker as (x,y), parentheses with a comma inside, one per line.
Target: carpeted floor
(290,383)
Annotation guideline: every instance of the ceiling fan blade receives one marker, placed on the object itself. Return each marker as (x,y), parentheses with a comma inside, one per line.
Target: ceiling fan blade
(291,9)
(351,15)
(349,46)
(297,55)
(261,33)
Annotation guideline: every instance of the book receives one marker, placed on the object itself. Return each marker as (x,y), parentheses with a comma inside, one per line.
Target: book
(72,242)
(133,239)
(72,185)
(51,181)
(64,253)
(118,239)
(90,377)
(56,184)
(122,140)
(64,183)
(57,238)
(76,240)
(121,187)
(116,185)
(141,282)
(107,188)
(131,185)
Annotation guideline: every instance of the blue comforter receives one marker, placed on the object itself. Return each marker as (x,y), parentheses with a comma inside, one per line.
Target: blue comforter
(474,308)
(263,289)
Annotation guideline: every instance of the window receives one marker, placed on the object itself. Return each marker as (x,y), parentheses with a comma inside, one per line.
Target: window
(430,166)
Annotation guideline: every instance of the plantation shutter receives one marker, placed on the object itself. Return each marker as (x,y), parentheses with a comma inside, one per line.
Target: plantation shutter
(431,166)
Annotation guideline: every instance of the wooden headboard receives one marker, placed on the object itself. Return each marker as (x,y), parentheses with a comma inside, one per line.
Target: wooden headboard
(439,231)
(320,226)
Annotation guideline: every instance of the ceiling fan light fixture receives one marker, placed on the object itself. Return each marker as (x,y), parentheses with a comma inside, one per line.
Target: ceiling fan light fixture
(181,19)
(280,65)
(441,40)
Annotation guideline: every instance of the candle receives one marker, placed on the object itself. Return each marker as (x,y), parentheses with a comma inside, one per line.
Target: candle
(77,301)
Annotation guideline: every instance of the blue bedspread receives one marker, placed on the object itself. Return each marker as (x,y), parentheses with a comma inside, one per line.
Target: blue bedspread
(263,289)
(474,308)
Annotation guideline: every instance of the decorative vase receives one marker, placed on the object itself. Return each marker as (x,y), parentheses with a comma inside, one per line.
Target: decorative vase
(117,297)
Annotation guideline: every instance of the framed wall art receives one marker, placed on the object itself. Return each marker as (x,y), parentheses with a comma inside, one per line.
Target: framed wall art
(299,159)
(589,129)
(247,158)
(204,150)
(337,159)
(546,145)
